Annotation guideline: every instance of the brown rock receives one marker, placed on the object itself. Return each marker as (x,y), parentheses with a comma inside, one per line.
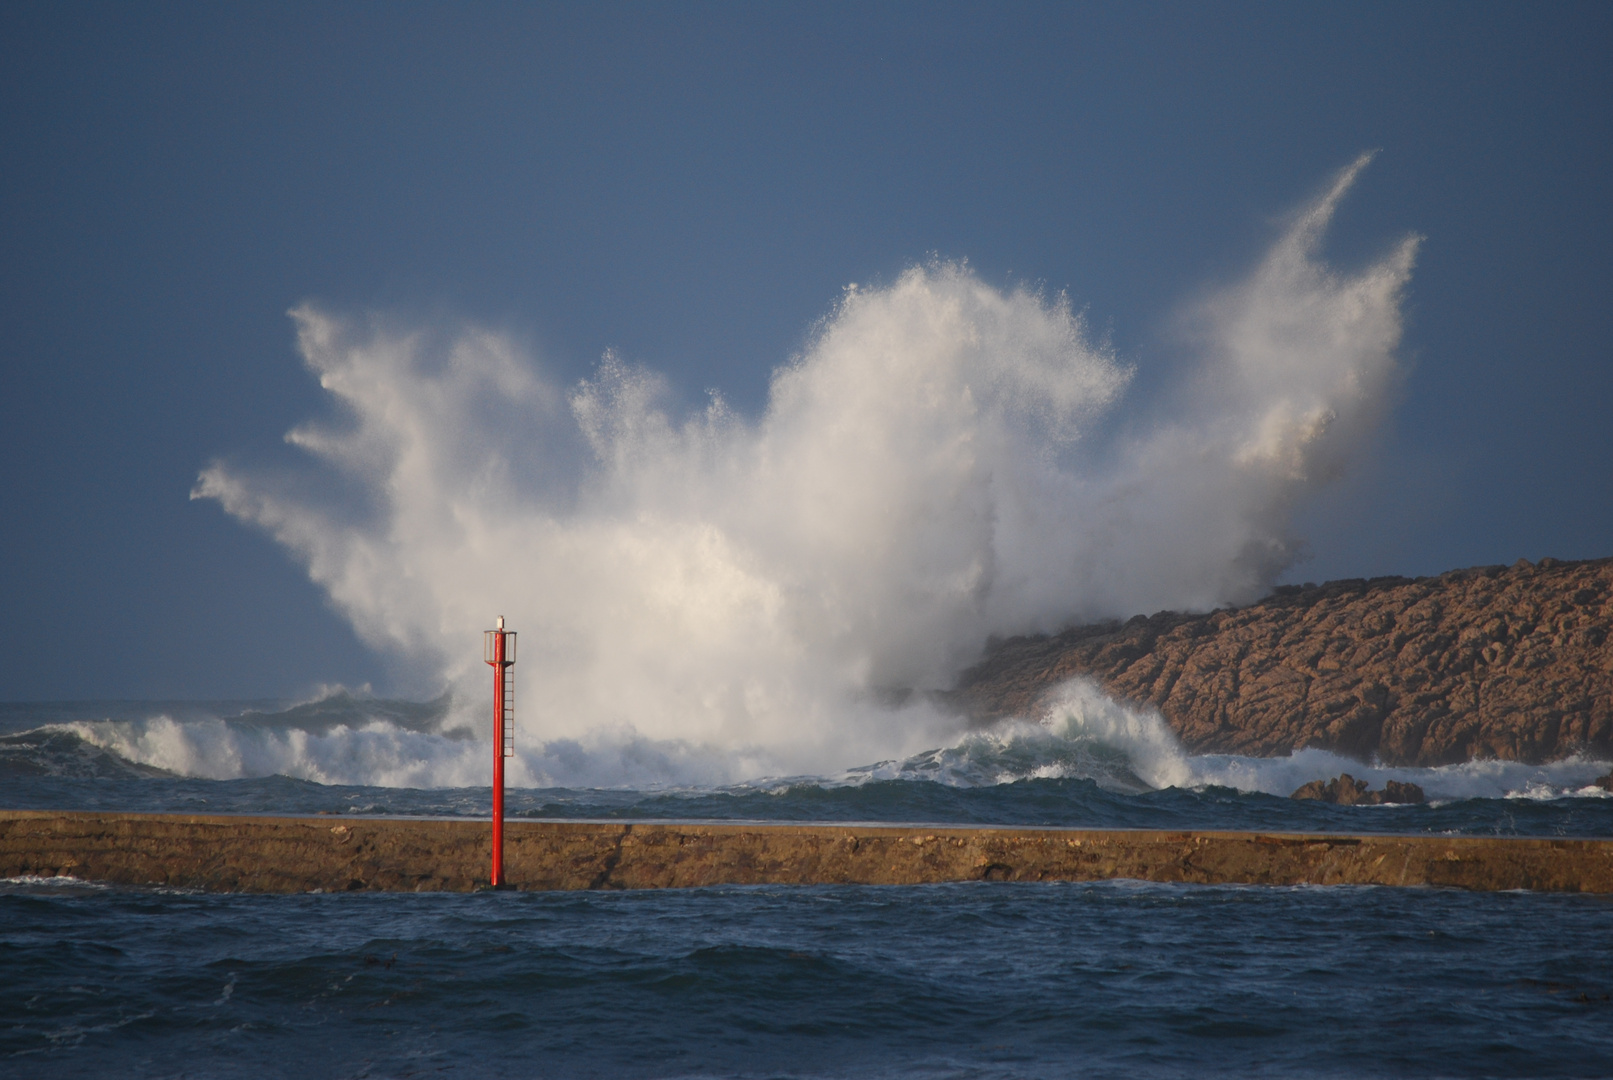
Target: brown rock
(1345,791)
(1492,662)
(1348,791)
(1317,790)
(1396,792)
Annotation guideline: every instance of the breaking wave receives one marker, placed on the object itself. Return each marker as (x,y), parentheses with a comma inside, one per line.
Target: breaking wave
(706,598)
(1084,734)
(1080,734)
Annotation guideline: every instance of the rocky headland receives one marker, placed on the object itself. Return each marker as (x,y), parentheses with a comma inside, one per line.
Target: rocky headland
(1506,662)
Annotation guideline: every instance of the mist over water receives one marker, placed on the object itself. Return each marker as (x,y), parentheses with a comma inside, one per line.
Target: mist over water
(706,597)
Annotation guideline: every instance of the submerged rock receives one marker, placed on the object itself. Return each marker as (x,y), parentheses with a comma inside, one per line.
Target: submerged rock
(1348,791)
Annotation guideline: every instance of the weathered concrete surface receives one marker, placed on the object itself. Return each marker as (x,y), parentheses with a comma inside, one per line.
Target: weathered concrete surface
(282,855)
(1510,662)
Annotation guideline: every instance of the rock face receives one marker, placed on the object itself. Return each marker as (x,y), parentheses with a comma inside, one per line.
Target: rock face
(1492,662)
(1348,791)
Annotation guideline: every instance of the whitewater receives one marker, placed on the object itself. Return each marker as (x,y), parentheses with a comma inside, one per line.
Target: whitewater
(758,618)
(966,980)
(708,601)
(1086,761)
(708,598)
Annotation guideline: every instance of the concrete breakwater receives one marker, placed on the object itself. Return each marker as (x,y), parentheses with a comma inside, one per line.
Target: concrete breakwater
(332,854)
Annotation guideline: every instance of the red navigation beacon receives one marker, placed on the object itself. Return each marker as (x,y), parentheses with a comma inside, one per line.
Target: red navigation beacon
(498,649)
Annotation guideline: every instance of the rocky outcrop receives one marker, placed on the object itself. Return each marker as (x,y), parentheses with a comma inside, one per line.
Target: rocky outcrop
(288,855)
(1346,790)
(1492,662)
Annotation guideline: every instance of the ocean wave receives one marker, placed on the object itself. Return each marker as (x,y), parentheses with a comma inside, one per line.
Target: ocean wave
(706,596)
(1084,734)
(1079,734)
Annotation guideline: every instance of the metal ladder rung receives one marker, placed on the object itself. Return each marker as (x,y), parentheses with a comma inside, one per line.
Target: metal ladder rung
(509,712)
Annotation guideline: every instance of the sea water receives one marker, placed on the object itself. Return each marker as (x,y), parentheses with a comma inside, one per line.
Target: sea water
(959,980)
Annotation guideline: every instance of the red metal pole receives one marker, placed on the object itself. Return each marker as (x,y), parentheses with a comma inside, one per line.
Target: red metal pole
(498,756)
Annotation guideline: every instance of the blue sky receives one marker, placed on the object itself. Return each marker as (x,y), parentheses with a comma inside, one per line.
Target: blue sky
(693,186)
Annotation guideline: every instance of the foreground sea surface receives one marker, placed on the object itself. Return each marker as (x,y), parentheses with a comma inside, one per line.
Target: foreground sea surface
(963,980)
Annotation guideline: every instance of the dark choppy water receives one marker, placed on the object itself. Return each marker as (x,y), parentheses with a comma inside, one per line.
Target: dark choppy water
(1066,801)
(969,980)
(975,980)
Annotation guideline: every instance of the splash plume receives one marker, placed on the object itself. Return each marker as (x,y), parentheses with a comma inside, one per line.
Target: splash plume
(710,596)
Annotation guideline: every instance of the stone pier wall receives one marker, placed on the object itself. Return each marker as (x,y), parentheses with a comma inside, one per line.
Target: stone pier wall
(331,854)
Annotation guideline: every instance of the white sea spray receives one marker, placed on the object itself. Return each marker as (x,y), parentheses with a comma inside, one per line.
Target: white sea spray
(707,597)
